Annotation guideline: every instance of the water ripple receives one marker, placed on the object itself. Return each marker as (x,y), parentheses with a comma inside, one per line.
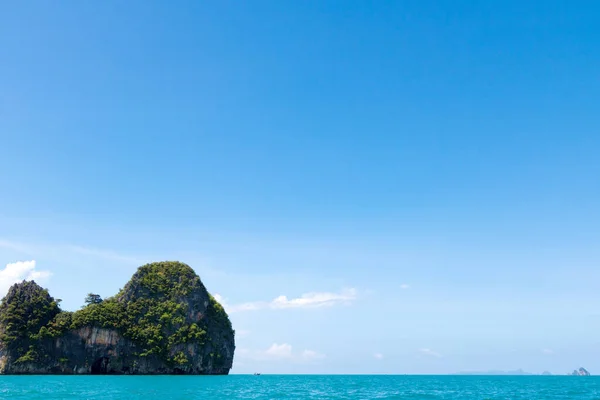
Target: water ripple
(299,387)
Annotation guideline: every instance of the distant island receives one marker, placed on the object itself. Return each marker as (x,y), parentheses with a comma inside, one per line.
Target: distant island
(163,321)
(495,372)
(520,372)
(580,372)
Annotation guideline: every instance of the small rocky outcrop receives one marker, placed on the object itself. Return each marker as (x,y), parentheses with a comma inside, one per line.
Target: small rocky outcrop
(162,322)
(580,372)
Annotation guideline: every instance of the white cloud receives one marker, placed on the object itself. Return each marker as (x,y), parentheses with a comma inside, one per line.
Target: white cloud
(237,307)
(283,350)
(219,298)
(244,307)
(19,271)
(310,300)
(430,353)
(548,351)
(312,355)
(378,356)
(404,286)
(307,300)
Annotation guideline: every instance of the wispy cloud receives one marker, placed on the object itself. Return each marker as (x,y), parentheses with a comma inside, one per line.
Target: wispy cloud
(244,307)
(19,271)
(20,247)
(547,351)
(378,356)
(219,298)
(103,253)
(313,300)
(281,352)
(430,353)
(307,300)
(57,251)
(405,286)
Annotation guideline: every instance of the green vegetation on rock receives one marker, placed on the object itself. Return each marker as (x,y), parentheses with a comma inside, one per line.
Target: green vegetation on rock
(92,298)
(29,310)
(151,310)
(158,309)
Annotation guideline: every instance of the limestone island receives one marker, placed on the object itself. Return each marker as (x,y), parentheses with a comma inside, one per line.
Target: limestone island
(163,321)
(580,372)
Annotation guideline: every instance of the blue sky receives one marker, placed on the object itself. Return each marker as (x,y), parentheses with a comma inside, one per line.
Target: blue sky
(418,179)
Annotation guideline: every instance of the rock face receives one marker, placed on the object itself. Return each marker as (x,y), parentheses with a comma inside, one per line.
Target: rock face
(163,322)
(580,372)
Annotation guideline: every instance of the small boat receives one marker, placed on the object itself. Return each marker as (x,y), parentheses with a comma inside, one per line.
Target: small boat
(257,373)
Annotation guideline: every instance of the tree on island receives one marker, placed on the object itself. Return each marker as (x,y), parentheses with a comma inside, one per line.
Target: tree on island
(92,298)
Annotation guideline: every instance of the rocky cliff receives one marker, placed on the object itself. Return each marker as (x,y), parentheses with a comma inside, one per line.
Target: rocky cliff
(162,322)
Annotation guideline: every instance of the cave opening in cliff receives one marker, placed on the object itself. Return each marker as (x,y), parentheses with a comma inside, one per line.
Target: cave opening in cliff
(100,366)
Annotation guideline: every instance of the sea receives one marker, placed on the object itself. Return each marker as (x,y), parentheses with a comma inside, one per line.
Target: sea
(301,387)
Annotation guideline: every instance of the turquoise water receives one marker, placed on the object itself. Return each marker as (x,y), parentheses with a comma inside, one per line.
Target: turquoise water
(298,387)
